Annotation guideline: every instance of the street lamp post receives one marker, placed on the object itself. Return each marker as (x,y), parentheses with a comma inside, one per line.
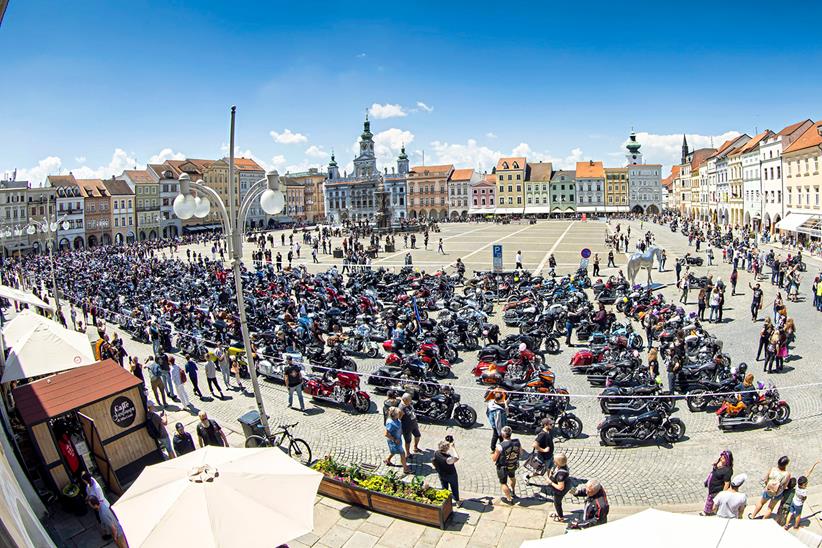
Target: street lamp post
(267,191)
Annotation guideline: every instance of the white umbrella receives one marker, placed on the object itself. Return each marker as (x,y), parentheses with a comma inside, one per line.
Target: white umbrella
(654,528)
(220,496)
(39,346)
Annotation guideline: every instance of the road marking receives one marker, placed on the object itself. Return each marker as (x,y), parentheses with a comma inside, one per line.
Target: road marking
(553,248)
(406,250)
(489,244)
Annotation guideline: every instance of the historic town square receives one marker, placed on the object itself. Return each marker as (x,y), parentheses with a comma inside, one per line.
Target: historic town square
(258,330)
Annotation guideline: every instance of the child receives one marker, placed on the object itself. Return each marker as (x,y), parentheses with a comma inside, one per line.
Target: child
(799,496)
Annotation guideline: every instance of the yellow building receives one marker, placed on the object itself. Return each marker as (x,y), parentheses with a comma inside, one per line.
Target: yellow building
(510,174)
(803,180)
(616,189)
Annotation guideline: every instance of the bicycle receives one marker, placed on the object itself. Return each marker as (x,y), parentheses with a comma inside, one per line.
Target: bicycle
(298,448)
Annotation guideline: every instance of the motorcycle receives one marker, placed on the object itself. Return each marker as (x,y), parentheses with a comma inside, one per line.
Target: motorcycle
(338,387)
(527,414)
(647,426)
(615,400)
(767,407)
(359,342)
(397,371)
(444,406)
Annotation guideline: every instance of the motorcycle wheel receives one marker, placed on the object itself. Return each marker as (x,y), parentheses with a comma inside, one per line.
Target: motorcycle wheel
(620,306)
(570,425)
(675,430)
(783,413)
(428,389)
(441,371)
(608,436)
(638,342)
(696,401)
(349,365)
(465,416)
(551,345)
(360,403)
(373,352)
(471,342)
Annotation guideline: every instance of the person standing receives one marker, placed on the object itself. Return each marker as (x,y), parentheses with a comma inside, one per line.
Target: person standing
(701,302)
(506,457)
(684,286)
(178,377)
(109,521)
(293,376)
(165,374)
(596,265)
(764,336)
(439,247)
(756,301)
(209,432)
(156,426)
(182,441)
(518,260)
(775,481)
(410,427)
(497,413)
(156,381)
(393,435)
(678,269)
(662,259)
(225,366)
(714,302)
(444,462)
(730,504)
(558,485)
(544,444)
(191,372)
(611,262)
(211,375)
(718,480)
(734,279)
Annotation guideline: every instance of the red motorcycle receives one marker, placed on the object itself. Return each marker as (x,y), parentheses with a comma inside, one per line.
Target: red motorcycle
(339,387)
(429,353)
(524,366)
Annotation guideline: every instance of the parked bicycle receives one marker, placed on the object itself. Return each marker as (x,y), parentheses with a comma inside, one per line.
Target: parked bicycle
(297,448)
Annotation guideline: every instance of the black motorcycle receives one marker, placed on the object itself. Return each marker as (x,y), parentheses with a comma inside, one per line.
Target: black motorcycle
(444,406)
(528,415)
(644,427)
(618,400)
(412,372)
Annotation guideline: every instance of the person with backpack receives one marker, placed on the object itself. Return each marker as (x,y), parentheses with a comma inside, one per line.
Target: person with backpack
(156,380)
(209,432)
(156,427)
(179,378)
(506,457)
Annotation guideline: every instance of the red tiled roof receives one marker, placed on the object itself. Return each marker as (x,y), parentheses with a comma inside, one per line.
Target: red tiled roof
(540,171)
(462,174)
(139,176)
(752,144)
(519,160)
(92,188)
(444,168)
(811,138)
(699,156)
(793,127)
(590,170)
(58,394)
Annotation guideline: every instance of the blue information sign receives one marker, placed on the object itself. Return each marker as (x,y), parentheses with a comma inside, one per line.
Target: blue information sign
(496,254)
(586,253)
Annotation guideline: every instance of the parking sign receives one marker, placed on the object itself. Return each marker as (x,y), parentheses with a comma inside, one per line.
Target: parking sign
(496,254)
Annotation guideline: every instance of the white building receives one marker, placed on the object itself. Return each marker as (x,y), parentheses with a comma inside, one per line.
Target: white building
(170,224)
(13,217)
(70,207)
(770,158)
(719,176)
(644,181)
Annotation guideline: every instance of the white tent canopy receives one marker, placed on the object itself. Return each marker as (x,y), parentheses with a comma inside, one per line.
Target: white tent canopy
(654,528)
(220,496)
(792,221)
(25,297)
(39,346)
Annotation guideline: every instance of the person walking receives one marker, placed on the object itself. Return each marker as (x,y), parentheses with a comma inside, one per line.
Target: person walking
(506,458)
(718,480)
(756,301)
(497,413)
(734,279)
(293,376)
(678,269)
(730,504)
(518,260)
(191,372)
(211,375)
(444,461)
(544,444)
(775,480)
(156,381)
(225,366)
(410,427)
(156,426)
(440,250)
(165,373)
(393,435)
(178,377)
(558,485)
(182,441)
(209,432)
(764,337)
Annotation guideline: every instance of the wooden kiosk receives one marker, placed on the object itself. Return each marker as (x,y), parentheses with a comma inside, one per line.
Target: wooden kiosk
(110,407)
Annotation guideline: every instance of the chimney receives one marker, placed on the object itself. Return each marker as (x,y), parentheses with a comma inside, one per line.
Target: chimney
(591,162)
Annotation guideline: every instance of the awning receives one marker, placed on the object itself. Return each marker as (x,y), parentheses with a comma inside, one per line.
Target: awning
(792,221)
(509,210)
(537,209)
(480,210)
(591,209)
(13,294)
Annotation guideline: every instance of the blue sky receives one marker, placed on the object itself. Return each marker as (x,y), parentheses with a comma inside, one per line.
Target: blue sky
(107,85)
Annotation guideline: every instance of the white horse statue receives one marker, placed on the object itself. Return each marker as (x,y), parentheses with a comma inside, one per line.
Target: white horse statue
(643,260)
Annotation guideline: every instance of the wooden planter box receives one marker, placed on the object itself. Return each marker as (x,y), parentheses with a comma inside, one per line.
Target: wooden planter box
(419,512)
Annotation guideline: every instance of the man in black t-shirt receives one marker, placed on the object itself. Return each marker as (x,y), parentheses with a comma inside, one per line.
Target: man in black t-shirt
(293,378)
(444,460)
(209,432)
(506,457)
(544,444)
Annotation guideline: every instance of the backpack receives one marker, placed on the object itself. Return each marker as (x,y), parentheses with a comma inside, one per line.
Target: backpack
(183,377)
(509,456)
(152,429)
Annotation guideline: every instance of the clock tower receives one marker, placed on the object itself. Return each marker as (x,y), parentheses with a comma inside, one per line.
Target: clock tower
(634,156)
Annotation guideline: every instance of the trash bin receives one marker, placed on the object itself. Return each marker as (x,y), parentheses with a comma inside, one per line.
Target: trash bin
(251,423)
(338,253)
(389,248)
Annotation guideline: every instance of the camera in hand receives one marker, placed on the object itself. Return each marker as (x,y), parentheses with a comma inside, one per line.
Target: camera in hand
(449,438)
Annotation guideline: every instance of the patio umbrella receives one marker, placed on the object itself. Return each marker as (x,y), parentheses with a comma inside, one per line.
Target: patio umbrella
(40,346)
(220,496)
(654,528)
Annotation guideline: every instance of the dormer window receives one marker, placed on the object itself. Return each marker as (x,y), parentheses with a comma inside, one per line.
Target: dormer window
(516,165)
(504,165)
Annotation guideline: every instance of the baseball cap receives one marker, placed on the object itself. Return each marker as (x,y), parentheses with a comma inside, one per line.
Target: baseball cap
(739,479)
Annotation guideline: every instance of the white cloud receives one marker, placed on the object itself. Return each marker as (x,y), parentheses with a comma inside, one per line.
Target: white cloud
(37,175)
(288,137)
(166,154)
(387,110)
(560,162)
(667,149)
(120,160)
(316,152)
(491,135)
(80,159)
(362,55)
(424,107)
(468,154)
(278,162)
(387,145)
